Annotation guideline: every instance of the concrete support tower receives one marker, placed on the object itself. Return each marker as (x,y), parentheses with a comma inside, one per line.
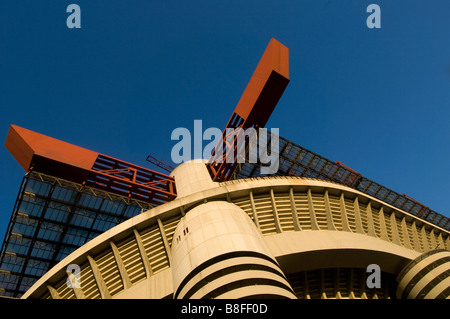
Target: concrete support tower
(217,251)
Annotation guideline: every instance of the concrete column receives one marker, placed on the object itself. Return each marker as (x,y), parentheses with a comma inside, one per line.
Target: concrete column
(383,228)
(104,293)
(394,227)
(330,222)
(406,238)
(192,177)
(217,252)
(294,210)
(345,224)
(275,212)
(144,257)
(255,213)
(120,265)
(358,220)
(312,212)
(53,292)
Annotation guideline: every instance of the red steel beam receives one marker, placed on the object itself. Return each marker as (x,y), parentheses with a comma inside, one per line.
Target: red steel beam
(26,146)
(34,151)
(258,101)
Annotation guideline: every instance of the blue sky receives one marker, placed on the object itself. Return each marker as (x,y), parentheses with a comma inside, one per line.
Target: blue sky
(375,99)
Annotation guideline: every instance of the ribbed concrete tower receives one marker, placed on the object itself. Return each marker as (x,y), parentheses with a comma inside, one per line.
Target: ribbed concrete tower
(426,277)
(217,251)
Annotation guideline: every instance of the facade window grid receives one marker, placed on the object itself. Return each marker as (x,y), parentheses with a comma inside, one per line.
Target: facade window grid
(49,231)
(415,209)
(13,263)
(18,248)
(88,215)
(433,216)
(112,220)
(25,228)
(26,283)
(57,215)
(35,267)
(83,218)
(42,253)
(90,201)
(37,187)
(74,236)
(307,163)
(42,244)
(63,194)
(8,282)
(31,207)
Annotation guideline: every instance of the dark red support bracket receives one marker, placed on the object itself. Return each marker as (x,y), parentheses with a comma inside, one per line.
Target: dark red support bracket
(256,104)
(60,159)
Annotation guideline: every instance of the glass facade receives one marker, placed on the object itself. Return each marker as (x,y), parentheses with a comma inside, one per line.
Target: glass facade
(51,218)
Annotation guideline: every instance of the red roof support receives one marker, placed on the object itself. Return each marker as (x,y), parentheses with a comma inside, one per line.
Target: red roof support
(34,151)
(258,101)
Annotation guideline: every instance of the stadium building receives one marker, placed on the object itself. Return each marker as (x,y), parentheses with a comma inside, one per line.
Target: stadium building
(86,225)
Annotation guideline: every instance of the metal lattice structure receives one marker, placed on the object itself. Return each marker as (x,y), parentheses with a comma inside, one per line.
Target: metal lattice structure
(68,196)
(254,108)
(52,217)
(295,160)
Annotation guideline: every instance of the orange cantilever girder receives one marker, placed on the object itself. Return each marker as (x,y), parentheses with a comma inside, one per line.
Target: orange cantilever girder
(263,91)
(26,145)
(38,152)
(266,85)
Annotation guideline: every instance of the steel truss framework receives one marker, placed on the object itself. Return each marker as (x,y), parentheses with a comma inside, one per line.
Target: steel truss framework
(295,160)
(51,218)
